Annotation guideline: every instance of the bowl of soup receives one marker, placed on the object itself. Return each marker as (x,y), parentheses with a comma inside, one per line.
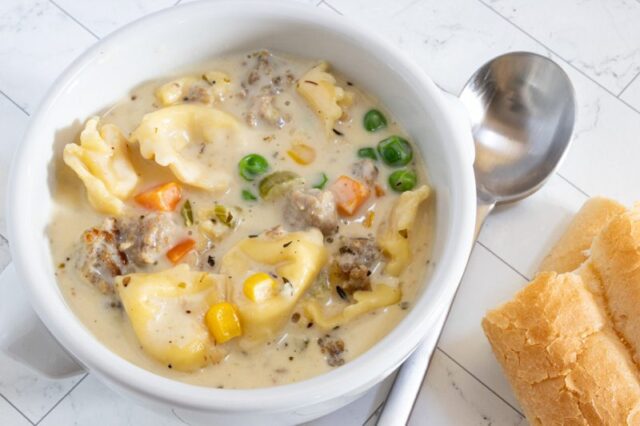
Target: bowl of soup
(242,212)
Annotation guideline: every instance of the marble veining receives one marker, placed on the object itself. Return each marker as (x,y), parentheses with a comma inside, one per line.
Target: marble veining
(102,17)
(488,282)
(31,393)
(91,400)
(606,137)
(10,416)
(523,233)
(599,37)
(53,40)
(449,40)
(453,397)
(631,95)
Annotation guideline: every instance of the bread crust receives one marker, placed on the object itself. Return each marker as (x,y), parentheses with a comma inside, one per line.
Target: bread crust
(572,248)
(563,360)
(615,257)
(569,343)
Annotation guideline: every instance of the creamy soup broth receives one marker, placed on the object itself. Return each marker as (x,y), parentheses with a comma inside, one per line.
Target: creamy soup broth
(300,348)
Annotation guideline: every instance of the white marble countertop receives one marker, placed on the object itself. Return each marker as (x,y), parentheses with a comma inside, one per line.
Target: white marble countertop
(597,42)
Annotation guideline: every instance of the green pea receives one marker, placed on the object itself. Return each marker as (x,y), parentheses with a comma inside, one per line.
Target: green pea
(402,180)
(395,151)
(253,165)
(248,195)
(374,120)
(323,181)
(367,153)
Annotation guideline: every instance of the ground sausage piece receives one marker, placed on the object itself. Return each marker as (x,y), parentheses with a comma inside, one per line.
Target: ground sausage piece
(365,170)
(262,67)
(263,107)
(354,262)
(144,238)
(111,250)
(98,259)
(332,349)
(262,85)
(312,207)
(198,93)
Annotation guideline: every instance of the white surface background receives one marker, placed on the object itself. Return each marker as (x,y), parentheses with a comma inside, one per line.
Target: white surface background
(597,42)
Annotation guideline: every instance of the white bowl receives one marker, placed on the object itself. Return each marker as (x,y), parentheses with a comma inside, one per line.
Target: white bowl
(190,34)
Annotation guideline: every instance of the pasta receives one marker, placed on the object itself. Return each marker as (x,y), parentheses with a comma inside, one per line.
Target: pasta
(211,87)
(166,310)
(296,265)
(318,88)
(393,235)
(177,137)
(365,301)
(102,162)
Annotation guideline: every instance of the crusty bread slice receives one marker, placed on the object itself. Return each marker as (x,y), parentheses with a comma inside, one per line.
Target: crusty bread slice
(570,343)
(615,258)
(563,360)
(571,250)
(610,235)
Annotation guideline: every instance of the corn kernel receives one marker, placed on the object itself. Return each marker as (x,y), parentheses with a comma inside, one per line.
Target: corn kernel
(259,287)
(223,322)
(302,154)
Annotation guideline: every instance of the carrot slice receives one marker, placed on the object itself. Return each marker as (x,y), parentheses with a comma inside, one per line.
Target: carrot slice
(163,197)
(350,194)
(180,250)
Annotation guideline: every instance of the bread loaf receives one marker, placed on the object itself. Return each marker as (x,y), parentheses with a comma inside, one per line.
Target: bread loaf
(615,257)
(564,363)
(570,343)
(571,250)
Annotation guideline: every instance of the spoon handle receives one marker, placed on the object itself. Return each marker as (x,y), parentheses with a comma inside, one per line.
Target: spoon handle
(405,390)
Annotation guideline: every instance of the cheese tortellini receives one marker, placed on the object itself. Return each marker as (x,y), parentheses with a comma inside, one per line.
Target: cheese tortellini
(393,234)
(195,141)
(296,258)
(166,310)
(102,162)
(366,301)
(212,86)
(318,88)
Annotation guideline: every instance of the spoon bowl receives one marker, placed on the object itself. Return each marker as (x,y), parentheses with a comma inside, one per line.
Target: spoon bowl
(522,111)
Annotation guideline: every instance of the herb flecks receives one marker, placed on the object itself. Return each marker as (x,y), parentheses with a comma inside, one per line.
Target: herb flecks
(187,213)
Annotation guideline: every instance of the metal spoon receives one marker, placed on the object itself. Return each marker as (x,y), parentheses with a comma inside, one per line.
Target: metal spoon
(522,111)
